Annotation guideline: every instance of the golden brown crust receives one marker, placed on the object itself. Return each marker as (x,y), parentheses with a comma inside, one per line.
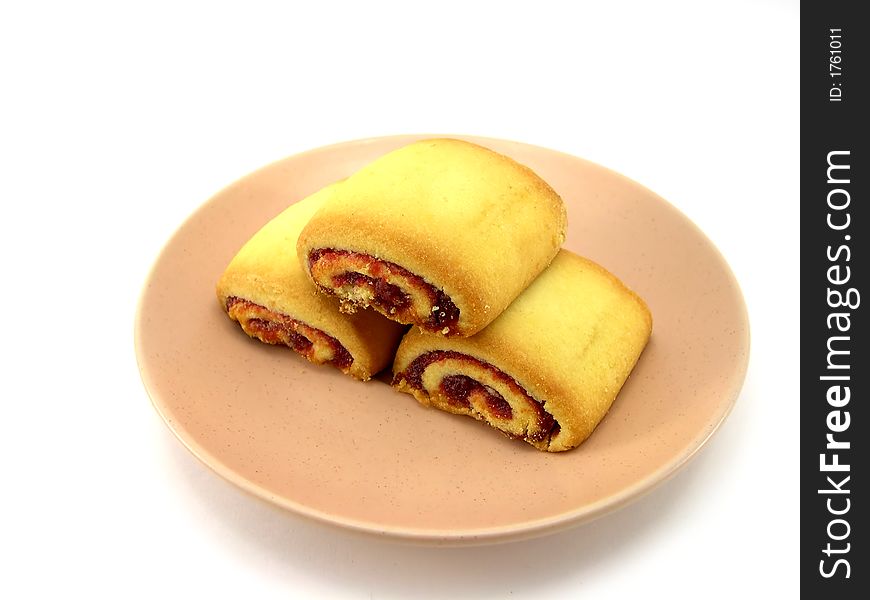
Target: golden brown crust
(473,223)
(570,340)
(266,272)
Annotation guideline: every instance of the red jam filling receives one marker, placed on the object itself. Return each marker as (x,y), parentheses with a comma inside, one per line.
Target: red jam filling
(388,297)
(457,389)
(275,328)
(271,333)
(386,294)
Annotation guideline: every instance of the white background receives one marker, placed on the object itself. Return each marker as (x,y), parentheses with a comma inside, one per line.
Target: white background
(118,121)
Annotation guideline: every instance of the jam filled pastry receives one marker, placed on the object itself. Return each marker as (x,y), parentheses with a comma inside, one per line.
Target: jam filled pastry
(547,369)
(266,290)
(442,234)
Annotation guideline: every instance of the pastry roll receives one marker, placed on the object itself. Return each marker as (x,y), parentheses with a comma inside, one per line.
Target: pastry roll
(547,369)
(442,234)
(266,290)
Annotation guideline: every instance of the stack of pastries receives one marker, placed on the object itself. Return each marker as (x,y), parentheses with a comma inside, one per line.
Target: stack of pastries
(463,244)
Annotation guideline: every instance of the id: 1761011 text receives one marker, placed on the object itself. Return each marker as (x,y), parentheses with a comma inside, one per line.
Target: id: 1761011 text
(835,60)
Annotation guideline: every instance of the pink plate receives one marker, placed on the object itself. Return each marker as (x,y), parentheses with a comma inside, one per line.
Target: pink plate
(363,456)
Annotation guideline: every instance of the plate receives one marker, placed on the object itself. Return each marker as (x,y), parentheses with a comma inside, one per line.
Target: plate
(363,456)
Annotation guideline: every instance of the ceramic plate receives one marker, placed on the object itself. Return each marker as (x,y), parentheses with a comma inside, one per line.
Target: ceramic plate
(363,456)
